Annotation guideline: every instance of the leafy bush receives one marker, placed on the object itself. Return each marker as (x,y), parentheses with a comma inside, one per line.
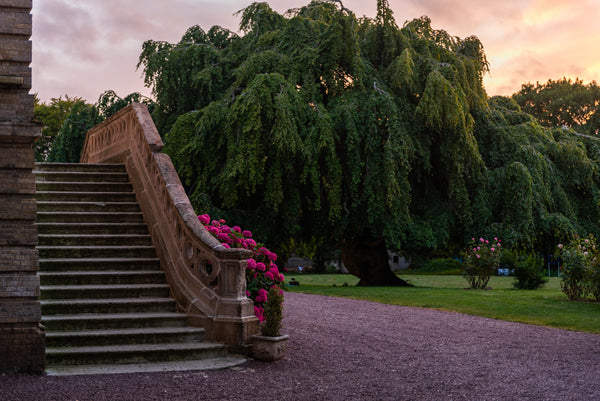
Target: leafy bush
(529,273)
(273,313)
(440,266)
(575,268)
(481,261)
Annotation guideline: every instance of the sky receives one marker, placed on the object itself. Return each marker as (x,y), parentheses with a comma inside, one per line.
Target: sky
(83,47)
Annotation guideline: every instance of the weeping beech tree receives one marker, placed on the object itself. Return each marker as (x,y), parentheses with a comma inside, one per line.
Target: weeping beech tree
(327,128)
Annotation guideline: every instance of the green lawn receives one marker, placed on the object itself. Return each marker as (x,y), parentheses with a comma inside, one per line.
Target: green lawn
(547,306)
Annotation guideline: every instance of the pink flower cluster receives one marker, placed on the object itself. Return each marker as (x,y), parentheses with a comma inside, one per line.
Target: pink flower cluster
(261,271)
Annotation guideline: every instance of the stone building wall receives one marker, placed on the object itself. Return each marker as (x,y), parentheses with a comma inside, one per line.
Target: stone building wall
(22,342)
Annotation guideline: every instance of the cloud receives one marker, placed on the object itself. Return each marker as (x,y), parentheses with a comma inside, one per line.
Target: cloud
(84,47)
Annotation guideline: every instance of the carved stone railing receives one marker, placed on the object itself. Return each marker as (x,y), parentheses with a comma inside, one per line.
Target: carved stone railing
(206,279)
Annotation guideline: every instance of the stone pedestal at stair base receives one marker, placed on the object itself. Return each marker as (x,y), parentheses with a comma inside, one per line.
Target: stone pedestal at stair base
(22,343)
(269,349)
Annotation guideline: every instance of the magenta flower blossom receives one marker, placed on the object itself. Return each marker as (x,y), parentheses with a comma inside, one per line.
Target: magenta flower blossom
(261,271)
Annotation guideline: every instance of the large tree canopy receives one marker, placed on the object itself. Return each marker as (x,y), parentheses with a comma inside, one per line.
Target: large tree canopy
(562,103)
(323,127)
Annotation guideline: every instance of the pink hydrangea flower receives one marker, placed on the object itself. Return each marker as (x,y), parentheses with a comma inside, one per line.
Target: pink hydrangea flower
(237,229)
(251,264)
(269,275)
(247,234)
(260,266)
(204,219)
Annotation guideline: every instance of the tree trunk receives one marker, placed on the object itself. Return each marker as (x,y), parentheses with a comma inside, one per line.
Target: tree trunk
(367,259)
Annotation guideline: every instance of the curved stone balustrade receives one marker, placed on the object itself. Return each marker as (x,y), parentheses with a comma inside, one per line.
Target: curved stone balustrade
(207,280)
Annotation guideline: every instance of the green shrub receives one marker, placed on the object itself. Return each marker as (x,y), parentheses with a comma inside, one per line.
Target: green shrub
(481,261)
(440,266)
(529,272)
(575,267)
(273,313)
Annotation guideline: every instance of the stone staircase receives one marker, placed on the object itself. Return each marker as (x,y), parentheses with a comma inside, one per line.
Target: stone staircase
(105,303)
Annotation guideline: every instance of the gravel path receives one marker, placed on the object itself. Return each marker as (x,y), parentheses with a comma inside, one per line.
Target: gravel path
(344,349)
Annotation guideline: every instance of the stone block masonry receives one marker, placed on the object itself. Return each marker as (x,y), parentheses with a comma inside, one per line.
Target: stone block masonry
(22,341)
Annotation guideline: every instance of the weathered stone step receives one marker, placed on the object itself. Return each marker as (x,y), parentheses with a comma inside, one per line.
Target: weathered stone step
(80,167)
(47,206)
(85,217)
(62,252)
(85,196)
(91,228)
(132,353)
(224,362)
(93,239)
(95,321)
(108,305)
(80,176)
(104,291)
(145,335)
(95,264)
(58,186)
(102,277)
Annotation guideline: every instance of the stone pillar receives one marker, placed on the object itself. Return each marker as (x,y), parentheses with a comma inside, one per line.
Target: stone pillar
(22,342)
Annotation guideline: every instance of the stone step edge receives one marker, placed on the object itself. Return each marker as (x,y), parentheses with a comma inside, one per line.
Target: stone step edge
(84,273)
(92,287)
(227,362)
(98,260)
(114,316)
(104,301)
(126,332)
(137,348)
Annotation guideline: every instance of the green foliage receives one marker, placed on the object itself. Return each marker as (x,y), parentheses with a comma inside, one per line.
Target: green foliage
(67,146)
(481,258)
(563,103)
(69,139)
(528,272)
(327,128)
(52,116)
(440,266)
(273,313)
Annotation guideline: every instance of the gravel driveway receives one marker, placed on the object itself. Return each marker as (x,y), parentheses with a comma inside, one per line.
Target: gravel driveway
(344,349)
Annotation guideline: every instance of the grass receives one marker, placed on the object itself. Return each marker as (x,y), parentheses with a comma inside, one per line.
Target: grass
(547,306)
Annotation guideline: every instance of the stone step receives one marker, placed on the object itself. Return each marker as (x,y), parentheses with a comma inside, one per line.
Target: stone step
(62,252)
(84,217)
(229,361)
(80,167)
(95,264)
(93,239)
(102,277)
(85,196)
(58,186)
(127,353)
(108,305)
(91,228)
(96,291)
(99,321)
(47,206)
(144,335)
(80,176)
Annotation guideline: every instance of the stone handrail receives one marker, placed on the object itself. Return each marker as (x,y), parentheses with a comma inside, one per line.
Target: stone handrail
(206,279)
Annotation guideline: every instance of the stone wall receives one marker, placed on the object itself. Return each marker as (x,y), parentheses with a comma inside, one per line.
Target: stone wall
(22,342)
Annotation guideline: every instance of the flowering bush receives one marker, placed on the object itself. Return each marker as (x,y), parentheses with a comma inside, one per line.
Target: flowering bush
(580,268)
(261,271)
(481,260)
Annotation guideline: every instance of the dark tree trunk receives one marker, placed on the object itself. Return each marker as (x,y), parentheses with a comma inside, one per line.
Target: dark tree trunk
(367,259)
